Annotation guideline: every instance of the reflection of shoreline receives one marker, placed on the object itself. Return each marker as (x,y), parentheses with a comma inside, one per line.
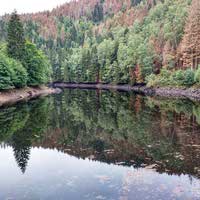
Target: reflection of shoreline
(126,129)
(135,156)
(171,92)
(125,153)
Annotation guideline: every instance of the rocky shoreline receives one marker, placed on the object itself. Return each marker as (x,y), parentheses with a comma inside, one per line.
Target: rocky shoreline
(189,93)
(13,96)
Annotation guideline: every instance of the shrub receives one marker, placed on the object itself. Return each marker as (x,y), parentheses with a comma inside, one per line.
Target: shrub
(5,73)
(164,78)
(176,78)
(12,73)
(19,74)
(183,78)
(36,65)
(189,77)
(151,80)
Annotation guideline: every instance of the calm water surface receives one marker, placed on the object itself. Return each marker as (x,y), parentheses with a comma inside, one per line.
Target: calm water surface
(89,144)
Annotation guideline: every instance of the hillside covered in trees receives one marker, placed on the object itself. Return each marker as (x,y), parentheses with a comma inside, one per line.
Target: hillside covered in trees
(21,63)
(121,42)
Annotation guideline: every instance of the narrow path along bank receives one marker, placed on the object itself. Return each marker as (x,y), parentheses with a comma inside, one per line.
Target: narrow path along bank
(16,95)
(190,93)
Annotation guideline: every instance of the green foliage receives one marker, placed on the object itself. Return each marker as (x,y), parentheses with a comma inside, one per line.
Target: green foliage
(36,65)
(6,73)
(15,39)
(12,73)
(82,50)
(106,51)
(20,76)
(125,55)
(189,76)
(12,119)
(3,48)
(183,77)
(21,63)
(175,78)
(163,79)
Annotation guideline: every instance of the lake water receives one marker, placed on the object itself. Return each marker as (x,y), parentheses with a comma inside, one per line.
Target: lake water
(100,145)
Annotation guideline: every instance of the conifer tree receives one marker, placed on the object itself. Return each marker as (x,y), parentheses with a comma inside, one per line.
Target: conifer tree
(15,38)
(97,13)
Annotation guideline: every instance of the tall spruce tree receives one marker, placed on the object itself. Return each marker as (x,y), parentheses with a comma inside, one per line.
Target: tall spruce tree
(97,14)
(15,38)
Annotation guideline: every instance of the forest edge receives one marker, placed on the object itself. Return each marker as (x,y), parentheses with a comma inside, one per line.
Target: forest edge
(10,97)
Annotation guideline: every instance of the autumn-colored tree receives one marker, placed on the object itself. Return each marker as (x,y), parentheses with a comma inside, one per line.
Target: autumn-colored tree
(191,40)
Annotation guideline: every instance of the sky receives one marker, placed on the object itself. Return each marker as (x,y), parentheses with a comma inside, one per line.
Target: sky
(28,6)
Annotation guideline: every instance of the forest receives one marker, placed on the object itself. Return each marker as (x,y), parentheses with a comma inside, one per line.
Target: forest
(100,100)
(21,63)
(97,122)
(153,42)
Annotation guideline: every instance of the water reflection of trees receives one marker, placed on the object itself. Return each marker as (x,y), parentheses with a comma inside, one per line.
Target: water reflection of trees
(110,127)
(21,125)
(142,129)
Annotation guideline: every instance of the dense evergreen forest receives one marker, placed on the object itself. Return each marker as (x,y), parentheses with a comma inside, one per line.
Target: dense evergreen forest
(110,41)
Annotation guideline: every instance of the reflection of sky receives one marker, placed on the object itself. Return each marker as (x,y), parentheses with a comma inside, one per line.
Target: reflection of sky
(53,175)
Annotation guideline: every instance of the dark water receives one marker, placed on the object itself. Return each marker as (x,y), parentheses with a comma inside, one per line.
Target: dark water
(88,145)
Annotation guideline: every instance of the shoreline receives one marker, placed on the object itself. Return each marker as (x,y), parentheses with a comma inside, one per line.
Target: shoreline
(188,93)
(10,97)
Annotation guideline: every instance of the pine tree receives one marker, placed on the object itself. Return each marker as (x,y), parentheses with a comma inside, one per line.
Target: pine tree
(15,38)
(97,13)
(21,145)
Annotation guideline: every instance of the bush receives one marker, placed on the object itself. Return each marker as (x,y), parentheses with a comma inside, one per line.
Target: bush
(189,77)
(176,78)
(151,80)
(36,65)
(5,73)
(19,74)
(12,73)
(183,78)
(162,79)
